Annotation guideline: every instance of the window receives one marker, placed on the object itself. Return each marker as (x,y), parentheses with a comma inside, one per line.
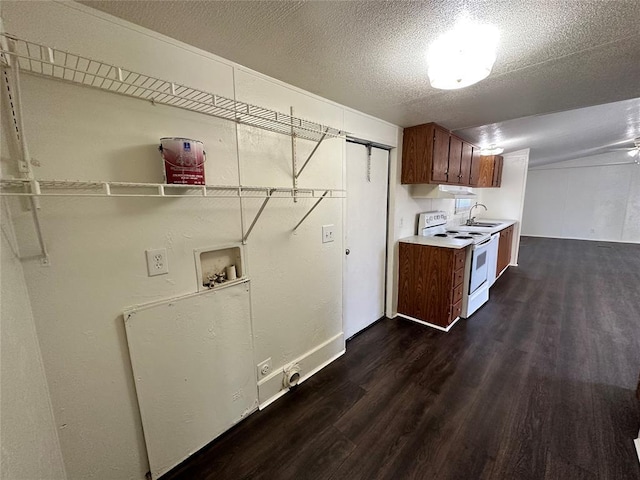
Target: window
(463,205)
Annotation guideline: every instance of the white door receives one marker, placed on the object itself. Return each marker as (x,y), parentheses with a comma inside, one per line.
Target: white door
(366,232)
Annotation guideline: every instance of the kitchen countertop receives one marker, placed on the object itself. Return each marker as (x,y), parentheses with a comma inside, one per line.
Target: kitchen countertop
(437,241)
(454,242)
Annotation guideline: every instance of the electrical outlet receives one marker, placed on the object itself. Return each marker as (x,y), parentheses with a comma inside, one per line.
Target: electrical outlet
(264,368)
(157,263)
(327,233)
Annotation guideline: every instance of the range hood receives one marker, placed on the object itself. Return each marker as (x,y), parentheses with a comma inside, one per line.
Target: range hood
(440,191)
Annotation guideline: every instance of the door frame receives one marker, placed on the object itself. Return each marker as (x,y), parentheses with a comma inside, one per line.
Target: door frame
(368,144)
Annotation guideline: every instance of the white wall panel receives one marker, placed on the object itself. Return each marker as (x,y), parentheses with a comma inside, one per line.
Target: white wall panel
(507,202)
(631,227)
(543,207)
(360,125)
(193,362)
(30,446)
(594,198)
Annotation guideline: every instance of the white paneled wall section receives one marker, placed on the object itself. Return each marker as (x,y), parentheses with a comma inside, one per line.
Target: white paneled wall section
(97,261)
(593,198)
(29,436)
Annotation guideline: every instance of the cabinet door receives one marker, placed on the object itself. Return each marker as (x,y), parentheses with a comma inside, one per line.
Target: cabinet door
(486,171)
(455,160)
(440,157)
(497,171)
(417,146)
(474,174)
(504,250)
(510,244)
(425,283)
(465,164)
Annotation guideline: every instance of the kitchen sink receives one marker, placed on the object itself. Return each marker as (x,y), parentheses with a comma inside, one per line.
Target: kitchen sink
(483,224)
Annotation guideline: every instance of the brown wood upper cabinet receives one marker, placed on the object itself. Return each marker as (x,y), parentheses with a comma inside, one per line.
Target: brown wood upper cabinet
(425,154)
(440,157)
(465,163)
(474,174)
(431,154)
(455,159)
(490,174)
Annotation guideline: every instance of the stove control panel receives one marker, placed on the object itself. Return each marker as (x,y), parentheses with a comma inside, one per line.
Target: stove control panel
(432,219)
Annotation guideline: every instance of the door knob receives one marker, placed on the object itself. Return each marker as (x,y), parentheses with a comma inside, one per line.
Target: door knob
(347,251)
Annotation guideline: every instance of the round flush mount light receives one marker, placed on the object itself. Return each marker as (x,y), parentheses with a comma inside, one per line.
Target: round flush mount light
(463,56)
(491,150)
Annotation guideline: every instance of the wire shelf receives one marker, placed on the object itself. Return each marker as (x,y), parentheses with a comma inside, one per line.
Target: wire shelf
(45,61)
(66,188)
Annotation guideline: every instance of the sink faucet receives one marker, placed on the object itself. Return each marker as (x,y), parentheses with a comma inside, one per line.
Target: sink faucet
(471,219)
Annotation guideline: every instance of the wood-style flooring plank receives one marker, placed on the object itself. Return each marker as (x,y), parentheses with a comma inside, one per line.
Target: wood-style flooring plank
(538,384)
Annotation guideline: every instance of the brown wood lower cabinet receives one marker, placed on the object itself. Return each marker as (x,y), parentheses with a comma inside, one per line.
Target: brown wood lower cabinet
(431,283)
(504,248)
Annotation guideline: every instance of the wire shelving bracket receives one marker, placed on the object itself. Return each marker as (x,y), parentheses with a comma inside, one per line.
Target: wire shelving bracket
(45,61)
(20,187)
(324,195)
(66,188)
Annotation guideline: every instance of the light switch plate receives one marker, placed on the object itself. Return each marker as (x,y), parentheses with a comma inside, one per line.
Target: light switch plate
(157,263)
(327,233)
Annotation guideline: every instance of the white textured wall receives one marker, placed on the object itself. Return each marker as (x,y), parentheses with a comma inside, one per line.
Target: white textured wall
(97,245)
(589,198)
(507,202)
(30,447)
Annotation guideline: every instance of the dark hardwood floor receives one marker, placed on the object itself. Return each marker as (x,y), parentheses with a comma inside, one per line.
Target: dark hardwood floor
(538,384)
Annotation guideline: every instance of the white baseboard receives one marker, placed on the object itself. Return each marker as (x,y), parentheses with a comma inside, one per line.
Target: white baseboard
(580,238)
(437,327)
(271,388)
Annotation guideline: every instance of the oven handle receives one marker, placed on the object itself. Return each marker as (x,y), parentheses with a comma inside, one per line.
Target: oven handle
(483,243)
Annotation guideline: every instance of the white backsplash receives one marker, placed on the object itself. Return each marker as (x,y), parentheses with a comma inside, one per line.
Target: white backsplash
(449,206)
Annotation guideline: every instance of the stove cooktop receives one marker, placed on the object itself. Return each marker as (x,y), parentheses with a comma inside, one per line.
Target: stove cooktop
(477,237)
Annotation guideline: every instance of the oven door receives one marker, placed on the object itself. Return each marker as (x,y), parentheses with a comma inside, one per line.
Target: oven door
(479,266)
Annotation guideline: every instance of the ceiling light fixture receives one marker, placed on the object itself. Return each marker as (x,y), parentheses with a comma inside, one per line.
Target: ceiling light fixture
(491,150)
(462,56)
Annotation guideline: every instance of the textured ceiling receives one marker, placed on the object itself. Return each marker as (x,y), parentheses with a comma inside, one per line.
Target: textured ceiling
(553,55)
(557,137)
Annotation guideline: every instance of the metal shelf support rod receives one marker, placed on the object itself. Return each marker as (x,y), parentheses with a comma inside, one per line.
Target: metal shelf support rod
(264,204)
(312,152)
(294,159)
(26,160)
(311,210)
